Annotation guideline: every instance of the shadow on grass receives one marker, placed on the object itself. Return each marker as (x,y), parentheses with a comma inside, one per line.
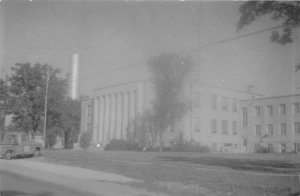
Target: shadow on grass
(19,193)
(239,164)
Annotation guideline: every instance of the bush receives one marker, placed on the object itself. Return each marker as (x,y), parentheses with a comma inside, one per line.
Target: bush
(84,141)
(120,145)
(261,149)
(190,147)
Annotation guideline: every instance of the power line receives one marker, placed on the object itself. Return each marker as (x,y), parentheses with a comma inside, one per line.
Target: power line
(188,51)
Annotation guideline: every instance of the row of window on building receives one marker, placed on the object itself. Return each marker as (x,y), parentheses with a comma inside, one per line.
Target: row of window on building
(224,103)
(282,128)
(283,147)
(269,111)
(281,109)
(214,126)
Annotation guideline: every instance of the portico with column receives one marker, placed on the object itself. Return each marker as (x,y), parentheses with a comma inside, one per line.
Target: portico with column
(115,110)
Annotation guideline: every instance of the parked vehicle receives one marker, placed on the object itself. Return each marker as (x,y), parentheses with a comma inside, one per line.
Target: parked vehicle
(17,144)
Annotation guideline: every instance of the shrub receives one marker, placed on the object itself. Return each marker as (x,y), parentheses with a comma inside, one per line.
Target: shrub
(84,141)
(261,149)
(190,147)
(119,145)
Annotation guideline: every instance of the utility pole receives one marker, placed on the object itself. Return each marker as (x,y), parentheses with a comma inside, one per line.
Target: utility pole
(46,104)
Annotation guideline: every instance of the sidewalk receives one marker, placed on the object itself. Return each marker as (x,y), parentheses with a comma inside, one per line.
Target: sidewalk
(85,180)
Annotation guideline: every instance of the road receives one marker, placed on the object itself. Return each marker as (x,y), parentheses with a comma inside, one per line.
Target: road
(15,185)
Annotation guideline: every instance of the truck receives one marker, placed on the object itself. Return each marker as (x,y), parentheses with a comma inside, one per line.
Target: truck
(18,144)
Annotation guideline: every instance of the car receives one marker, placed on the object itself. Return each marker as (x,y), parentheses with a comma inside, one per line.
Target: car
(18,144)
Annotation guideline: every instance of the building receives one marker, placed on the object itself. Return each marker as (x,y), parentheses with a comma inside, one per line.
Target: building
(272,123)
(213,119)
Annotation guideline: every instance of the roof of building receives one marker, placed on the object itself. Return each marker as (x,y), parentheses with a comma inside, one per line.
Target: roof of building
(272,97)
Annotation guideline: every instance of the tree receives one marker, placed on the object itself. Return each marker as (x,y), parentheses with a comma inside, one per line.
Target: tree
(27,86)
(3,95)
(70,120)
(287,13)
(168,72)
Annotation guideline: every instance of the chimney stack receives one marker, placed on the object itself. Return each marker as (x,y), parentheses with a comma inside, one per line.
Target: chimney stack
(74,76)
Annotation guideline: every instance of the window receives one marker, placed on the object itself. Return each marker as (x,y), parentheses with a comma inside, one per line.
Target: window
(172,127)
(282,109)
(234,128)
(257,130)
(245,141)
(214,125)
(224,126)
(224,104)
(197,127)
(297,147)
(88,112)
(296,108)
(234,105)
(270,129)
(214,102)
(283,147)
(297,127)
(283,128)
(269,110)
(245,117)
(257,111)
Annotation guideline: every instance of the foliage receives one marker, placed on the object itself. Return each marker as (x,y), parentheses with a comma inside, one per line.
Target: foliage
(287,13)
(3,94)
(70,120)
(168,73)
(84,141)
(262,149)
(121,145)
(3,90)
(144,135)
(27,95)
(188,146)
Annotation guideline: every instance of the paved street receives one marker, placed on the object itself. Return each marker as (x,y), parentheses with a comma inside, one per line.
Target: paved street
(15,185)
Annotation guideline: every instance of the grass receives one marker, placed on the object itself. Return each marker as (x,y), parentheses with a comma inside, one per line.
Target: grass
(193,173)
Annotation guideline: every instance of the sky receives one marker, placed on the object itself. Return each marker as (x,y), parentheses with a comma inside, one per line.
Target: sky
(115,40)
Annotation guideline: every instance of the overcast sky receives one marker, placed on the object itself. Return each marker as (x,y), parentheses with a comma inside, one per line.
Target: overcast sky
(109,35)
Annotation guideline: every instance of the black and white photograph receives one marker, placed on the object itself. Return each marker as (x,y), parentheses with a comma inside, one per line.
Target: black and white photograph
(149,98)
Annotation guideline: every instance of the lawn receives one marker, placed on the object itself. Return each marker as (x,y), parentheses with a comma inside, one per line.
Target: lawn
(193,173)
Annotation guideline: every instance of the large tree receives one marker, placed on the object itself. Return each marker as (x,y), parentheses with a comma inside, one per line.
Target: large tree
(27,87)
(70,120)
(286,13)
(168,72)
(3,95)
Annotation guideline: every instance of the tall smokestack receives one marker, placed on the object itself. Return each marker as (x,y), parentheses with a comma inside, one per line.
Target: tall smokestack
(74,76)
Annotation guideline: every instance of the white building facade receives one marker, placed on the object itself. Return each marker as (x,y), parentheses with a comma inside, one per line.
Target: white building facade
(272,123)
(213,120)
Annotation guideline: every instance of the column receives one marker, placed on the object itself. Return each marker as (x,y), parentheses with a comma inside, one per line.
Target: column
(140,98)
(107,115)
(101,120)
(124,116)
(112,127)
(95,120)
(133,114)
(119,116)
